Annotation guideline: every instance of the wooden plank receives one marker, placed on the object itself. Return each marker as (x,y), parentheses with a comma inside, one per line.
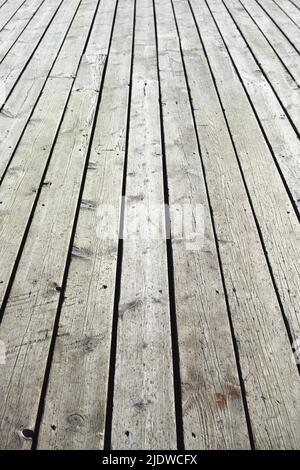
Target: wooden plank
(208,373)
(296,3)
(12,66)
(278,41)
(280,134)
(16,26)
(36,279)
(22,164)
(18,108)
(290,10)
(284,86)
(270,375)
(143,408)
(75,405)
(281,235)
(282,21)
(18,190)
(8,10)
(67,61)
(36,314)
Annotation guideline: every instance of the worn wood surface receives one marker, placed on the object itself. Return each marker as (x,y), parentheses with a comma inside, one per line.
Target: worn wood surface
(280,135)
(19,105)
(209,377)
(144,413)
(283,84)
(15,27)
(280,234)
(37,282)
(282,21)
(8,10)
(83,341)
(124,119)
(278,41)
(253,304)
(290,9)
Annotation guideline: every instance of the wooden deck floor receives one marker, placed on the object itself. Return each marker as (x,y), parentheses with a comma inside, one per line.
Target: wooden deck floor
(116,332)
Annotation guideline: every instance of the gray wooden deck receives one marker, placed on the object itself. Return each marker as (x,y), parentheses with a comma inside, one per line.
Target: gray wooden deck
(149,224)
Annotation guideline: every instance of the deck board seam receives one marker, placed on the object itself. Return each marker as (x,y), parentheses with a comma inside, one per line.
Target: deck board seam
(40,93)
(268,144)
(293,125)
(31,55)
(280,29)
(20,6)
(257,117)
(170,263)
(286,322)
(43,394)
(297,6)
(118,276)
(271,45)
(232,330)
(22,31)
(3,3)
(286,14)
(31,215)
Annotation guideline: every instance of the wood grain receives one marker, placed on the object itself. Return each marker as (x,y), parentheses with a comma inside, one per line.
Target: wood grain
(264,347)
(280,134)
(17,25)
(282,21)
(285,87)
(8,10)
(144,411)
(38,280)
(82,350)
(20,105)
(289,56)
(178,335)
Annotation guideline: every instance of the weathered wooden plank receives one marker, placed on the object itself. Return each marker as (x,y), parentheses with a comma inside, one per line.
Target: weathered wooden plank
(282,21)
(8,10)
(143,408)
(213,414)
(281,45)
(68,58)
(22,168)
(282,83)
(13,64)
(281,234)
(38,278)
(17,195)
(17,111)
(290,10)
(18,190)
(279,132)
(16,26)
(296,3)
(34,310)
(270,375)
(75,402)
(2,3)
